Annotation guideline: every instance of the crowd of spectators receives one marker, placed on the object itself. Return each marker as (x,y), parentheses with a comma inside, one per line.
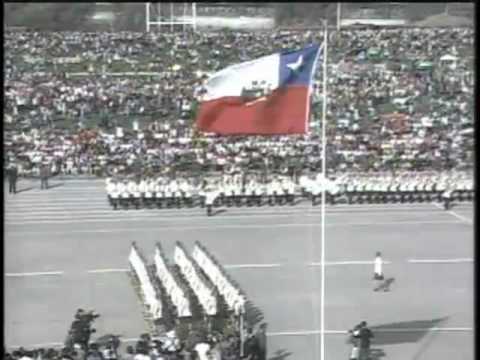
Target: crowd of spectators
(397,99)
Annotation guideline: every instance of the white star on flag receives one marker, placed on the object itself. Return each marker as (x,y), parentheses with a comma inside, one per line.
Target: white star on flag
(296,64)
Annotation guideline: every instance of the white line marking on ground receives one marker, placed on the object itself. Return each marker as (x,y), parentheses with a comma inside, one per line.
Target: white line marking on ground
(335,263)
(439,261)
(46,273)
(221,218)
(453,213)
(458,216)
(213,227)
(253,266)
(100,271)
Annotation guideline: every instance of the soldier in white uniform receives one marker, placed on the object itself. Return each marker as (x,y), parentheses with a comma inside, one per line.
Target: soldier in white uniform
(447,196)
(378,271)
(142,189)
(210,196)
(186,191)
(250,189)
(316,191)
(175,193)
(133,189)
(349,188)
(124,194)
(113,193)
(229,190)
(159,192)
(470,189)
(440,187)
(149,192)
(260,190)
(289,190)
(333,191)
(304,182)
(237,191)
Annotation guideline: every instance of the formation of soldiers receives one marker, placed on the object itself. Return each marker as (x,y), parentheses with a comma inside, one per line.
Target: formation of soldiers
(229,191)
(238,190)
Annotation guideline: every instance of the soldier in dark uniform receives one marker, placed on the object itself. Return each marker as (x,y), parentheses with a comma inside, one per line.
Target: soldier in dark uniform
(44,174)
(261,342)
(12,172)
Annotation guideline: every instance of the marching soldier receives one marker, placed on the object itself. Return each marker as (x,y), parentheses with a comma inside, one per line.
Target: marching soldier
(304,182)
(470,189)
(112,192)
(447,197)
(142,190)
(122,188)
(186,191)
(158,191)
(149,192)
(333,191)
(133,189)
(259,192)
(167,193)
(250,192)
(229,190)
(349,190)
(237,191)
(275,192)
(428,189)
(316,191)
(210,196)
(175,193)
(441,187)
(289,189)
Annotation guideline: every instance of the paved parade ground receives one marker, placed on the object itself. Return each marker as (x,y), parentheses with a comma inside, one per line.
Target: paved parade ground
(65,248)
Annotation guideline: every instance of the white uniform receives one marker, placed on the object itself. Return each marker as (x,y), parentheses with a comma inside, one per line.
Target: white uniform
(112,190)
(210,197)
(123,190)
(133,189)
(378,267)
(149,188)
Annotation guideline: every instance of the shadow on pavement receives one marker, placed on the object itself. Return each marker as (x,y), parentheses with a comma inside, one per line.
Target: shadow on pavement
(403,332)
(385,285)
(280,355)
(25,189)
(376,354)
(54,186)
(219,211)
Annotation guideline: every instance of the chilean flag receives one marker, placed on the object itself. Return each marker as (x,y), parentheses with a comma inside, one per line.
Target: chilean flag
(266,96)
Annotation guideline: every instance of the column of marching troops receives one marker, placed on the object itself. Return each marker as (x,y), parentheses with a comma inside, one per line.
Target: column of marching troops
(237,190)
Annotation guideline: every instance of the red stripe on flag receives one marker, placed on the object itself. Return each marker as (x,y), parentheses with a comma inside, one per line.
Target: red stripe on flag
(284,111)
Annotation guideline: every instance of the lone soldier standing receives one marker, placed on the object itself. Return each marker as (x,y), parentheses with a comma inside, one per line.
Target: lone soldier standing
(12,172)
(378,271)
(44,174)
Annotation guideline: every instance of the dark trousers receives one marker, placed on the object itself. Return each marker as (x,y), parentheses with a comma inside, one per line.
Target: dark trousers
(446,203)
(12,186)
(43,183)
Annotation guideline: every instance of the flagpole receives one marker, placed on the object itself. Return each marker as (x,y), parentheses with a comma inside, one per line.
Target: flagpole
(324,171)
